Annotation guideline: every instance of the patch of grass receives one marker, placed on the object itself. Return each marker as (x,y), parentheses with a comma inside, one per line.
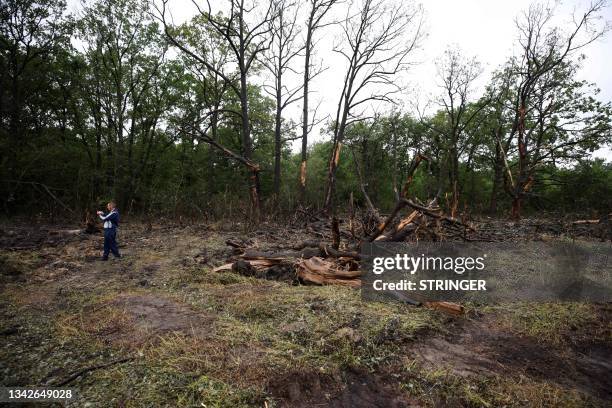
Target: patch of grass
(213,393)
(440,388)
(16,264)
(548,321)
(97,325)
(318,327)
(151,383)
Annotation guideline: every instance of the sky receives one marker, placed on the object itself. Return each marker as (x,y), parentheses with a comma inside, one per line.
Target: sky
(484,29)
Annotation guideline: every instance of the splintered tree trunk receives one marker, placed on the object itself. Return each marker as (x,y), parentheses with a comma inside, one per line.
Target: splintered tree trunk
(303,164)
(516,208)
(522,149)
(303,169)
(331,177)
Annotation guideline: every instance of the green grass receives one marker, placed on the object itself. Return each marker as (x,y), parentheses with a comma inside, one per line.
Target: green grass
(258,331)
(547,321)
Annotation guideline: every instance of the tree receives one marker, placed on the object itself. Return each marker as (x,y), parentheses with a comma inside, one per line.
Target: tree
(33,35)
(318,11)
(284,48)
(543,50)
(377,42)
(246,41)
(207,91)
(457,74)
(125,91)
(497,120)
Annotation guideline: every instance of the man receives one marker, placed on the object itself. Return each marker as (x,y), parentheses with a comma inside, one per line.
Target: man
(111,222)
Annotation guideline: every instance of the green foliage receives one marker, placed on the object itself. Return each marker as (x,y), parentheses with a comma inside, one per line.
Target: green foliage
(585,188)
(118,115)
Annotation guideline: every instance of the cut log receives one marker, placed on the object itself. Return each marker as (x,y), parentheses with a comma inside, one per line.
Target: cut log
(258,264)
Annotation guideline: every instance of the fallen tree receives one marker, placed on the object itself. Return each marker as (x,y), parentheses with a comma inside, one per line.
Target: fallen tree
(334,259)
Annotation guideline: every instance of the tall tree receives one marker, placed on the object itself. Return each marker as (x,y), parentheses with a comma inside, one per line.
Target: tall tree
(457,74)
(284,48)
(318,10)
(124,55)
(377,41)
(247,40)
(544,48)
(33,35)
(497,120)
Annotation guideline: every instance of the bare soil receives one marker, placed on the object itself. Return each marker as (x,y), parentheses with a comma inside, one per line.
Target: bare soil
(483,347)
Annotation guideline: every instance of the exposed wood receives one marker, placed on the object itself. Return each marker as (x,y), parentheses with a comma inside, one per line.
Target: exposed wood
(447,307)
(323,272)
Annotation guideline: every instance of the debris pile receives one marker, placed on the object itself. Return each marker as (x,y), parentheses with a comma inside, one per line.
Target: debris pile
(334,257)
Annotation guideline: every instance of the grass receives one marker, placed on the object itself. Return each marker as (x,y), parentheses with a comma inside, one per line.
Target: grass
(550,321)
(440,388)
(259,332)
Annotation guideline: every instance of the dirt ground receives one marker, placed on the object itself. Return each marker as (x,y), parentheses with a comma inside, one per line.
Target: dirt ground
(160,328)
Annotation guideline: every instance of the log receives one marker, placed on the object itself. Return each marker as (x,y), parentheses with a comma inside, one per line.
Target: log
(234,244)
(581,222)
(446,307)
(258,264)
(322,272)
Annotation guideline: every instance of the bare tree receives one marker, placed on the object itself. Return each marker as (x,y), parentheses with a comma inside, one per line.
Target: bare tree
(318,11)
(457,75)
(377,42)
(247,40)
(543,48)
(284,48)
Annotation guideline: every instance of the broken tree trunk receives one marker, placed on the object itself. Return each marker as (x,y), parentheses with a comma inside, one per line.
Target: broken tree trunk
(321,271)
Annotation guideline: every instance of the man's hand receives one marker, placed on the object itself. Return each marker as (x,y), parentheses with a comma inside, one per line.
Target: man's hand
(99,212)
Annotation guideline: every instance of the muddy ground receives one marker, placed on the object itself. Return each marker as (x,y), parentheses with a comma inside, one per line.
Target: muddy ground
(159,328)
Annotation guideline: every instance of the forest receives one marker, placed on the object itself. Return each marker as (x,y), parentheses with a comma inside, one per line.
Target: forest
(116,102)
(253,166)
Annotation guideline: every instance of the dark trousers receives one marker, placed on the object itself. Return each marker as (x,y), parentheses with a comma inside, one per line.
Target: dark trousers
(110,244)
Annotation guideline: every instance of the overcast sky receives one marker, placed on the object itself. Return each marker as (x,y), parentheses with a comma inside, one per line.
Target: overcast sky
(484,29)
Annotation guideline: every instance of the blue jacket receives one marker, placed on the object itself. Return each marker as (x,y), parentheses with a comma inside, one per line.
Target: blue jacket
(111,220)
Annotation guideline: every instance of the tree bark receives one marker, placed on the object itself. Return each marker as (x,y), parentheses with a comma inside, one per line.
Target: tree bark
(498,174)
(304,154)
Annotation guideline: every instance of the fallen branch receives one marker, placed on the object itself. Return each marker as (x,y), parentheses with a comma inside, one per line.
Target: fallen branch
(86,370)
(447,307)
(430,213)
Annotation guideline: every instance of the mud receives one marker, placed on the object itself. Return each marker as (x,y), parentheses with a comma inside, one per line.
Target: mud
(483,348)
(156,315)
(352,389)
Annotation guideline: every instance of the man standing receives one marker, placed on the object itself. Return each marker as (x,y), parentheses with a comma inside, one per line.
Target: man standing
(111,222)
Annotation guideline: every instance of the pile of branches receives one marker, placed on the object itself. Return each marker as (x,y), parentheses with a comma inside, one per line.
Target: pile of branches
(335,257)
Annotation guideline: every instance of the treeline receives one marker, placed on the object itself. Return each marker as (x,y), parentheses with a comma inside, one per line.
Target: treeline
(118,102)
